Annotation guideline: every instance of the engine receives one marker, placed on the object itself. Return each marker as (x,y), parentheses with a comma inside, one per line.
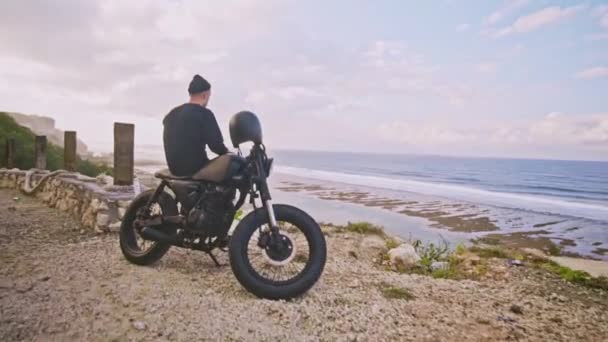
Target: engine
(214,211)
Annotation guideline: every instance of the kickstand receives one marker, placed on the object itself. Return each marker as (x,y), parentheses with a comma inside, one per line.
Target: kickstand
(214,259)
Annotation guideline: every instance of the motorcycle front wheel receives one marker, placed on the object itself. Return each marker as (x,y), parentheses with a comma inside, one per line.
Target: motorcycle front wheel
(288,266)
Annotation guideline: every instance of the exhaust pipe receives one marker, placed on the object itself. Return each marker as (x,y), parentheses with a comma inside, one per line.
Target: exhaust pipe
(150,233)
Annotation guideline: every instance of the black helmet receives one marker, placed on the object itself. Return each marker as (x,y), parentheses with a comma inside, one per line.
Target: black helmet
(245,126)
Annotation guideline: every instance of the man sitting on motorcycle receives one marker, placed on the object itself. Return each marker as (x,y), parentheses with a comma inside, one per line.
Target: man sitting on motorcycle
(189,128)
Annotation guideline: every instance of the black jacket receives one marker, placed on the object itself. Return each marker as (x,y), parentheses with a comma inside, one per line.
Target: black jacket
(187,130)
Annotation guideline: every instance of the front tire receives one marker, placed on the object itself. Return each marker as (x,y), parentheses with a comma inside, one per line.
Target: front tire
(253,280)
(129,236)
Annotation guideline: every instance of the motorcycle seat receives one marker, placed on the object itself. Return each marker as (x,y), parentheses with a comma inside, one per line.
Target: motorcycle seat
(166,174)
(217,170)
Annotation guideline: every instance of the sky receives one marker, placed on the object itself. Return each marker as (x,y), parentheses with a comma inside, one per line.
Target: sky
(515,78)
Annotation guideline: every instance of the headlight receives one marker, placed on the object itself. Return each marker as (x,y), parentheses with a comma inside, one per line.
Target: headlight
(268,166)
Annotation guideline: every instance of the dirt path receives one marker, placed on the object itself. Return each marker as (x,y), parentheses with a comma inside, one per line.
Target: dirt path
(59,284)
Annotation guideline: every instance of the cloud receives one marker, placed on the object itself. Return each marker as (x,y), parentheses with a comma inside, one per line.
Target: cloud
(544,17)
(587,131)
(591,73)
(506,9)
(119,60)
(94,62)
(601,11)
(462,27)
(596,37)
(486,68)
(416,134)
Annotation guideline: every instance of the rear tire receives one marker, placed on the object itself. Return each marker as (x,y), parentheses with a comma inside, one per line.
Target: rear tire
(267,288)
(128,239)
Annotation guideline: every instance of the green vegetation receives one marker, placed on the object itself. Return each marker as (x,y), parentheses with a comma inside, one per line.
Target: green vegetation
(570,275)
(24,150)
(431,253)
(454,263)
(491,252)
(554,250)
(392,292)
(391,243)
(364,228)
(437,260)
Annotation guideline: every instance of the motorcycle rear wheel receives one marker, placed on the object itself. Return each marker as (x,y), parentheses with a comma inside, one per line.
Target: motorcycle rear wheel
(130,244)
(293,222)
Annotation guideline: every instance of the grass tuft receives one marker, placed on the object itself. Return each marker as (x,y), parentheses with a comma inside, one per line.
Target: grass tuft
(393,292)
(491,252)
(364,228)
(391,243)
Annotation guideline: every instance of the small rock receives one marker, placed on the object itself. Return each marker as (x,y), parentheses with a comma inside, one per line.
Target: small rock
(555,297)
(24,287)
(515,263)
(139,325)
(115,227)
(11,208)
(103,220)
(516,309)
(121,213)
(506,319)
(403,256)
(482,320)
(439,265)
(355,283)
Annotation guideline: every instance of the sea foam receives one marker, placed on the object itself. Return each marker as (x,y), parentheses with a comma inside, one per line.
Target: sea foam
(540,204)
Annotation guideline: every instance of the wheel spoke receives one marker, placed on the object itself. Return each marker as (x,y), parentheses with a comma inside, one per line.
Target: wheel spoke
(286,267)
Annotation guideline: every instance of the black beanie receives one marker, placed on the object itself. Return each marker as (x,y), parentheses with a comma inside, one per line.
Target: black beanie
(198,85)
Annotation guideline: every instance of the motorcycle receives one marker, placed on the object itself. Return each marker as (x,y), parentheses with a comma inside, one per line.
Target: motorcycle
(276,251)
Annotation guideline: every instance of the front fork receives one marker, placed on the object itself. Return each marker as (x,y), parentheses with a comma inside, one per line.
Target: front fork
(272,220)
(267,203)
(262,185)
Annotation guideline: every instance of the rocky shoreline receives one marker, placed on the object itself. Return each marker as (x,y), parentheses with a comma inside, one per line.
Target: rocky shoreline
(61,282)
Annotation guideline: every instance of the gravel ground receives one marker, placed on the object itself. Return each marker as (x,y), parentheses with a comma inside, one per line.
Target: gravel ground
(58,282)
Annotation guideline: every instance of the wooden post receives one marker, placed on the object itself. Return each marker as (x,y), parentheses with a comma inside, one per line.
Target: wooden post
(69,150)
(123,153)
(40,152)
(10,153)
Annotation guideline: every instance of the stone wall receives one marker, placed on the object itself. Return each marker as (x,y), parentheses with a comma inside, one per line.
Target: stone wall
(94,201)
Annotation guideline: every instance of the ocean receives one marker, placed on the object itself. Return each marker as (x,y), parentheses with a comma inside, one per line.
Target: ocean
(530,202)
(577,188)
